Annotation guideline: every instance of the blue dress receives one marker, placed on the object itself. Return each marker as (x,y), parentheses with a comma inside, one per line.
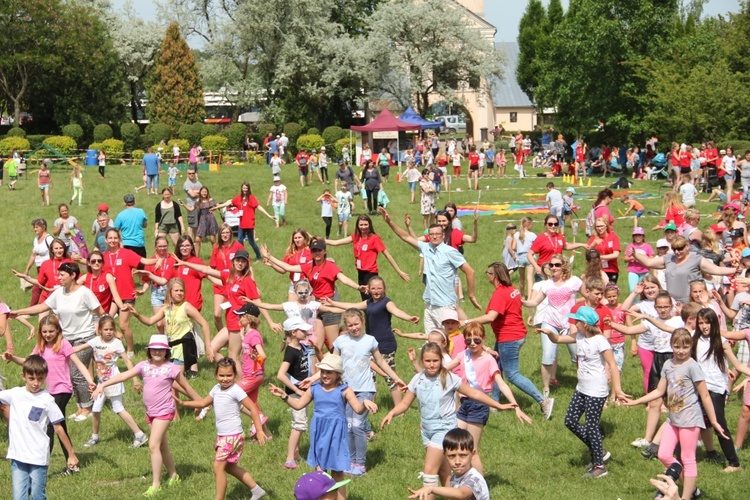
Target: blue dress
(329,445)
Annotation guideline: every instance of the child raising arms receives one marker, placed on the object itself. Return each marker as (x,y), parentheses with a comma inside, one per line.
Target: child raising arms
(328,432)
(158,374)
(228,399)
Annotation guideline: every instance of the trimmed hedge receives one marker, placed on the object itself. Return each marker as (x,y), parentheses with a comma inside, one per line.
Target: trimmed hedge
(215,144)
(235,135)
(16,132)
(332,134)
(313,131)
(102,132)
(339,145)
(8,144)
(310,141)
(131,135)
(61,143)
(113,147)
(158,131)
(36,140)
(137,154)
(74,131)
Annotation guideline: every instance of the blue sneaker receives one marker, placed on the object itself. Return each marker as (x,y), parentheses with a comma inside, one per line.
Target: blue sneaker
(358,470)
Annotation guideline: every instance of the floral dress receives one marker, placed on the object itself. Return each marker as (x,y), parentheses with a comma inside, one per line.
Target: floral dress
(207,225)
(427,201)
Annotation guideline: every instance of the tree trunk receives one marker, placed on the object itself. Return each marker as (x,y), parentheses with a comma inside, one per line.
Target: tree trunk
(133,103)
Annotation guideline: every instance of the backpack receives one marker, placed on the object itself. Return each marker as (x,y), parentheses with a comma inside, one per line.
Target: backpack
(590,220)
(302,162)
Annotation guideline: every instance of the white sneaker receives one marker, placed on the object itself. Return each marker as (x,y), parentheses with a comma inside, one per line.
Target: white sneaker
(640,443)
(137,443)
(91,442)
(131,354)
(547,406)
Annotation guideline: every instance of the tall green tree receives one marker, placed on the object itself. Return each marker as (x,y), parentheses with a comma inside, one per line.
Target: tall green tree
(533,45)
(555,13)
(175,89)
(412,61)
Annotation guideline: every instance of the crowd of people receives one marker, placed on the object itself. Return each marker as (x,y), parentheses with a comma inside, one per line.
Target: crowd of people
(678,301)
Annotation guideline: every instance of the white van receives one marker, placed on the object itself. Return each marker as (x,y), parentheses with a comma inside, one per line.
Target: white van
(452,124)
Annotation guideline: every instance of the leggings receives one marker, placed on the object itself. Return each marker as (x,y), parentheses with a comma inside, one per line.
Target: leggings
(101,170)
(634,279)
(61,400)
(647,359)
(77,192)
(324,173)
(372,199)
(687,438)
(328,221)
(590,433)
(727,445)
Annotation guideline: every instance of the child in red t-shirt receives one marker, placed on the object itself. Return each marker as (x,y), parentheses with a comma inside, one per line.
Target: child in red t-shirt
(519,163)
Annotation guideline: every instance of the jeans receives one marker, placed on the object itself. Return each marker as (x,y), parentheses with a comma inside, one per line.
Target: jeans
(29,481)
(248,234)
(357,436)
(508,364)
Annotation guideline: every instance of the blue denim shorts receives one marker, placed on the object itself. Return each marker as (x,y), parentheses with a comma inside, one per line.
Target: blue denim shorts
(434,431)
(158,294)
(473,412)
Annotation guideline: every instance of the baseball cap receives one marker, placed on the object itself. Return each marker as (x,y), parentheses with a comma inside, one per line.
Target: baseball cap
(319,244)
(241,254)
(639,230)
(670,227)
(314,485)
(276,178)
(449,315)
(570,190)
(295,323)
(322,148)
(103,207)
(129,199)
(248,308)
(661,243)
(745,253)
(585,314)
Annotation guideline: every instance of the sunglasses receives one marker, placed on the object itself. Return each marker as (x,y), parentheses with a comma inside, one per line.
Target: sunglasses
(553,224)
(678,249)
(474,340)
(96,261)
(555,264)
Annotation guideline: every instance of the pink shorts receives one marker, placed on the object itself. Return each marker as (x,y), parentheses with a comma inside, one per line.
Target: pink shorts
(168,416)
(229,448)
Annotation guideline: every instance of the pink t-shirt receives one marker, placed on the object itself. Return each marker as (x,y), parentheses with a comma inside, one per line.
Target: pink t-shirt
(250,366)
(485,368)
(157,387)
(644,249)
(58,368)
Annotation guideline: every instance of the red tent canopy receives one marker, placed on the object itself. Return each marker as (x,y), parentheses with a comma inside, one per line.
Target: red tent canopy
(385,122)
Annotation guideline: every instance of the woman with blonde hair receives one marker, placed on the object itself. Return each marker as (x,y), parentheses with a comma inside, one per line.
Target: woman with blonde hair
(524,238)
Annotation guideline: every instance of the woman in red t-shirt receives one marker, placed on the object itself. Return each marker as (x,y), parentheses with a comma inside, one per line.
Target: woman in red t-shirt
(607,243)
(159,276)
(120,263)
(505,315)
(548,244)
(239,287)
(298,252)
(221,260)
(247,203)
(101,283)
(367,245)
(48,277)
(322,275)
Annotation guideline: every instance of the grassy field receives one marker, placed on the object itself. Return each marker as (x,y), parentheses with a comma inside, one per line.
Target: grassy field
(537,461)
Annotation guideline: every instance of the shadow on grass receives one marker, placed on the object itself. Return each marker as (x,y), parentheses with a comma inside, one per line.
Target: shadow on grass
(494,480)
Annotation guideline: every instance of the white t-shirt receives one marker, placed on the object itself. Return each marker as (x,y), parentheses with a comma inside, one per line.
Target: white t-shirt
(308,312)
(592,379)
(41,250)
(523,247)
(345,202)
(74,311)
(729,163)
(688,193)
(227,404)
(277,195)
(716,380)
(412,174)
(106,355)
(326,208)
(554,197)
(659,340)
(275,165)
(435,401)
(355,353)
(474,481)
(30,414)
(560,300)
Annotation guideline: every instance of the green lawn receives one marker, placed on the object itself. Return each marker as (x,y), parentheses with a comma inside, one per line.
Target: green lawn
(537,461)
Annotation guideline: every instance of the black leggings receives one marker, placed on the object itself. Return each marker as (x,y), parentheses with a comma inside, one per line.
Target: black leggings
(61,400)
(727,445)
(372,199)
(328,221)
(591,432)
(324,173)
(101,170)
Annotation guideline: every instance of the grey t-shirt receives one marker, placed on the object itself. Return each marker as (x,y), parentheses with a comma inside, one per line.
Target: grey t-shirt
(682,398)
(190,186)
(679,276)
(744,167)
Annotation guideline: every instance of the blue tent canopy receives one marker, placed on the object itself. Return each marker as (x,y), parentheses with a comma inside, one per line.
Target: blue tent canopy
(411,116)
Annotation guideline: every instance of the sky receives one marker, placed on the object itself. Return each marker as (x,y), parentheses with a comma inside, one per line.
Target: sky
(504,14)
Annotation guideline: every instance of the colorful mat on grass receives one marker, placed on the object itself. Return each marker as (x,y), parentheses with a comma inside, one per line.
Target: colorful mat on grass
(505,209)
